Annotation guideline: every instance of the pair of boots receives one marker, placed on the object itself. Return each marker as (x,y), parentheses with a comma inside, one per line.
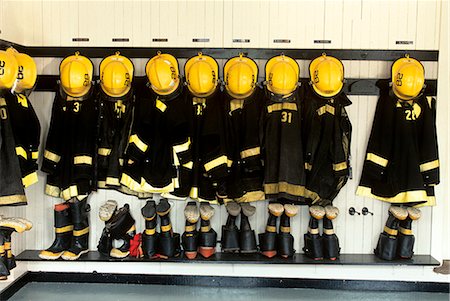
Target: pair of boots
(7,227)
(326,245)
(233,239)
(193,241)
(164,244)
(71,231)
(397,239)
(119,230)
(272,243)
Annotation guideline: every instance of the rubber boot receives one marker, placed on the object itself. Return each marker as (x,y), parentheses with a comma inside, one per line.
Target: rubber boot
(285,239)
(105,213)
(190,235)
(230,232)
(405,238)
(10,258)
(330,240)
(79,210)
(122,229)
(150,236)
(7,226)
(63,233)
(169,242)
(268,239)
(247,237)
(313,240)
(208,237)
(4,272)
(387,243)
(443,269)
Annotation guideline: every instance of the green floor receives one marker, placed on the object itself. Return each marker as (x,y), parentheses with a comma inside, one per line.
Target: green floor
(134,292)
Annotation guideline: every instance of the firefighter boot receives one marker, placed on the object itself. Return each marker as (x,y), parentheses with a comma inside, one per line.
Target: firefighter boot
(150,236)
(285,238)
(122,230)
(208,237)
(405,238)
(7,231)
(267,240)
(387,243)
(63,233)
(79,210)
(247,237)
(230,232)
(330,240)
(105,213)
(7,226)
(190,235)
(313,241)
(169,242)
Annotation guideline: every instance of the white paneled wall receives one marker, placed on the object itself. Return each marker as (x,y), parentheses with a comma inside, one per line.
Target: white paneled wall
(367,24)
(349,24)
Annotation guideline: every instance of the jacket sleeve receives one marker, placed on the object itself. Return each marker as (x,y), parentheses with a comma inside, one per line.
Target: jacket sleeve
(180,133)
(27,131)
(342,136)
(53,147)
(83,158)
(140,134)
(381,138)
(213,148)
(429,157)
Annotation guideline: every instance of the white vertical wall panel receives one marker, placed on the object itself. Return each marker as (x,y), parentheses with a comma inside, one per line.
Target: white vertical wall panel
(311,23)
(201,23)
(68,22)
(333,19)
(14,26)
(428,21)
(246,20)
(402,24)
(283,21)
(164,16)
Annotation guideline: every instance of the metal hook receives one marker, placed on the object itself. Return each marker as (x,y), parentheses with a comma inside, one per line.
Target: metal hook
(366,211)
(352,211)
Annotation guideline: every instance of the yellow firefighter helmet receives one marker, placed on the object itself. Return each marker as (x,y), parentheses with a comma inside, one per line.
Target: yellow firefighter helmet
(282,74)
(76,75)
(8,69)
(327,75)
(201,73)
(27,71)
(162,73)
(116,75)
(241,75)
(408,78)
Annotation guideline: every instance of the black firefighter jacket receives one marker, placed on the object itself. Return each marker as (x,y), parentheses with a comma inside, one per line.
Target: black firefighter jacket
(19,142)
(327,135)
(402,164)
(69,156)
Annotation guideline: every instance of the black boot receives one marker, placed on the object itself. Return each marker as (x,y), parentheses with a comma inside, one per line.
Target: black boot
(4,271)
(63,233)
(79,210)
(121,228)
(387,243)
(150,236)
(285,238)
(106,212)
(190,235)
(10,258)
(247,237)
(169,242)
(268,239)
(405,239)
(330,241)
(313,241)
(208,237)
(230,232)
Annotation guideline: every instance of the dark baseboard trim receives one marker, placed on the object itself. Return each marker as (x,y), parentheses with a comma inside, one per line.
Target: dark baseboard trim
(218,281)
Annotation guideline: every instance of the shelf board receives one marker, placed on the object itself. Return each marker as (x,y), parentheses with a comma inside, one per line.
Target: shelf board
(227,258)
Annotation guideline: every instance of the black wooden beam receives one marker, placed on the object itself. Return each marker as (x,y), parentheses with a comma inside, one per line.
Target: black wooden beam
(225,53)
